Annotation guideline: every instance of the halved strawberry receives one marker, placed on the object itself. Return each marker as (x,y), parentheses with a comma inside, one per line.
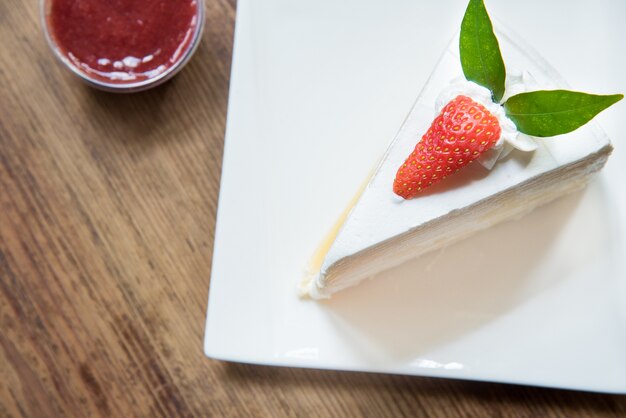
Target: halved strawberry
(459,134)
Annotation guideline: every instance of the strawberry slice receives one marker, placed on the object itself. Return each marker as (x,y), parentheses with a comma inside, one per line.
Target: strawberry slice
(459,134)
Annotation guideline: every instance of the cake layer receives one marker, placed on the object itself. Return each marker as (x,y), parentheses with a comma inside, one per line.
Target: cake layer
(457,225)
(381,232)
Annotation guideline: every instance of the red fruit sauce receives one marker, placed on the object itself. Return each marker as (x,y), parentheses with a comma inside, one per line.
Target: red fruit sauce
(123,41)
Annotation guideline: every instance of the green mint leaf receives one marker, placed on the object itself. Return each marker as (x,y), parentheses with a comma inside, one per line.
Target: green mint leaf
(480,52)
(555,112)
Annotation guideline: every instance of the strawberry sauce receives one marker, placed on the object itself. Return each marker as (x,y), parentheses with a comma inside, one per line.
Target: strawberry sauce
(123,41)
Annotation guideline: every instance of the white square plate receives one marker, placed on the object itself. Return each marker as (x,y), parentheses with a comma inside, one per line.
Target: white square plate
(318,89)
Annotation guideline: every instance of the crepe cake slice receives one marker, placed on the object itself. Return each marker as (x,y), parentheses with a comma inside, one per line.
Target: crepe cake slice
(380,230)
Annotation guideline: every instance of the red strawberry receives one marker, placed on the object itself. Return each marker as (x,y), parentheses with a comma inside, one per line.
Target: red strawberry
(461,133)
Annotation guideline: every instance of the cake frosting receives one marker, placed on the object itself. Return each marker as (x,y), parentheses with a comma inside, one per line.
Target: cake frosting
(529,172)
(510,137)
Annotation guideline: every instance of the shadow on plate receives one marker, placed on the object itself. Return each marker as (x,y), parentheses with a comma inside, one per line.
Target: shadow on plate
(447,294)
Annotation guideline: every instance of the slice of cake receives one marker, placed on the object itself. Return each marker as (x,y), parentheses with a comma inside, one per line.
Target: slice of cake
(471,110)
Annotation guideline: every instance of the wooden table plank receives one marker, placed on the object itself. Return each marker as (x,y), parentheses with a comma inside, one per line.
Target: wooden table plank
(107,216)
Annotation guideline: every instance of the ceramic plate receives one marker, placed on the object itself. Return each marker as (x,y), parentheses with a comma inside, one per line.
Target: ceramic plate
(318,90)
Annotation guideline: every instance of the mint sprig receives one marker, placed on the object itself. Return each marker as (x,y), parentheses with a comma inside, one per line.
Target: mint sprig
(480,52)
(555,112)
(539,113)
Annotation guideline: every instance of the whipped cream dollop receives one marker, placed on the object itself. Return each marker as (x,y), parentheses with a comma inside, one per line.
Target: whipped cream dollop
(510,137)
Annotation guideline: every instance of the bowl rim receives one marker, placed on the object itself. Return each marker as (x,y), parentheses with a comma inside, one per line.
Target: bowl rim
(123,87)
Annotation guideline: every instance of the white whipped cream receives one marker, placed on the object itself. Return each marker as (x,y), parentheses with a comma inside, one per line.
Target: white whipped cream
(510,137)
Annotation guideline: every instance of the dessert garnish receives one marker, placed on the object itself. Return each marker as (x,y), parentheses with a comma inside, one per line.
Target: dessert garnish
(466,128)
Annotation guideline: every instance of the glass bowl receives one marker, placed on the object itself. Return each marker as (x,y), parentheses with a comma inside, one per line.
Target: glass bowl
(121,86)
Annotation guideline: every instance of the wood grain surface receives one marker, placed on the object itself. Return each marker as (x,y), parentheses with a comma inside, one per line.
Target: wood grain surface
(107,213)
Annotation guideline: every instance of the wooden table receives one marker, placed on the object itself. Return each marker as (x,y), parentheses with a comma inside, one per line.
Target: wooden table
(106,230)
